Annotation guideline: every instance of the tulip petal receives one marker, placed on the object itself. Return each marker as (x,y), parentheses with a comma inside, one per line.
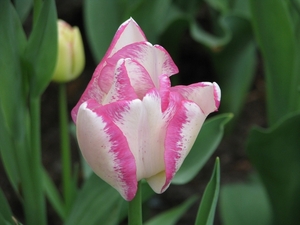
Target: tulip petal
(78,57)
(139,78)
(181,135)
(91,92)
(184,120)
(129,32)
(121,88)
(63,68)
(151,137)
(164,91)
(205,94)
(104,145)
(154,59)
(164,62)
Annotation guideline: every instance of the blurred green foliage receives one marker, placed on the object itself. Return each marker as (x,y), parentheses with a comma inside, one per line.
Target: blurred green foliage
(27,64)
(238,31)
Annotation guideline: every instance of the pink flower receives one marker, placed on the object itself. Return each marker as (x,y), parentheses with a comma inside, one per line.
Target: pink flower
(131,124)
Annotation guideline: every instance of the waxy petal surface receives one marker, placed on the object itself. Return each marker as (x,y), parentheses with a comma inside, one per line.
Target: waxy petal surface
(104,146)
(139,77)
(205,94)
(181,134)
(183,120)
(155,59)
(121,88)
(131,124)
(129,32)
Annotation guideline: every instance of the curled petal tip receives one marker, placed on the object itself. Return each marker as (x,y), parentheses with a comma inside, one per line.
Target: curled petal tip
(217,94)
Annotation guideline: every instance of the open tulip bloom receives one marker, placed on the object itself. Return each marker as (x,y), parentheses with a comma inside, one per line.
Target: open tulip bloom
(131,124)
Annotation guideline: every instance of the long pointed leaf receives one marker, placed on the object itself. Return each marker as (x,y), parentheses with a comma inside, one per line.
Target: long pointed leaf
(5,212)
(23,8)
(273,29)
(53,196)
(12,44)
(101,18)
(245,204)
(96,203)
(275,154)
(235,65)
(206,211)
(41,51)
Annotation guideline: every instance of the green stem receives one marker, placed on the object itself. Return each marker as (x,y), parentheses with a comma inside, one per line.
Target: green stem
(65,146)
(135,208)
(37,201)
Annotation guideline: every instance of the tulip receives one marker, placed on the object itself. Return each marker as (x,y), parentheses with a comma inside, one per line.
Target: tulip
(70,57)
(131,124)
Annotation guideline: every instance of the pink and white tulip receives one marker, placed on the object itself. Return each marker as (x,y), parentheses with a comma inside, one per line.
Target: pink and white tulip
(131,124)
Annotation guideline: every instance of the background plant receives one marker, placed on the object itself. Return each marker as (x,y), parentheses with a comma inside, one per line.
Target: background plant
(28,64)
(245,41)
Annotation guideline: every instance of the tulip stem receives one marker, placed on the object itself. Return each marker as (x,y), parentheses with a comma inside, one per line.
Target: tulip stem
(65,146)
(135,208)
(36,208)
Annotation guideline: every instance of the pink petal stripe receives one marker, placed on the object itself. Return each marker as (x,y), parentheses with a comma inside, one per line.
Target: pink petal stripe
(217,94)
(121,88)
(164,91)
(181,134)
(105,147)
(139,77)
(164,62)
(91,92)
(105,79)
(154,59)
(129,32)
(142,52)
(205,94)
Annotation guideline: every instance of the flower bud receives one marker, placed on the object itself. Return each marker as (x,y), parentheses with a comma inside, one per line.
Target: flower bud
(130,123)
(70,56)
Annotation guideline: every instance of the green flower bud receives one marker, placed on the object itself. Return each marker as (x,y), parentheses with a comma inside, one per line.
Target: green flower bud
(70,57)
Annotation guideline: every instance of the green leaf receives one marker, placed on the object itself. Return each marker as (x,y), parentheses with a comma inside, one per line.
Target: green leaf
(171,216)
(241,8)
(207,141)
(245,204)
(41,51)
(155,16)
(23,8)
(274,33)
(152,16)
(12,44)
(5,212)
(207,208)
(99,31)
(219,5)
(213,41)
(275,154)
(235,65)
(7,153)
(54,196)
(12,99)
(97,202)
